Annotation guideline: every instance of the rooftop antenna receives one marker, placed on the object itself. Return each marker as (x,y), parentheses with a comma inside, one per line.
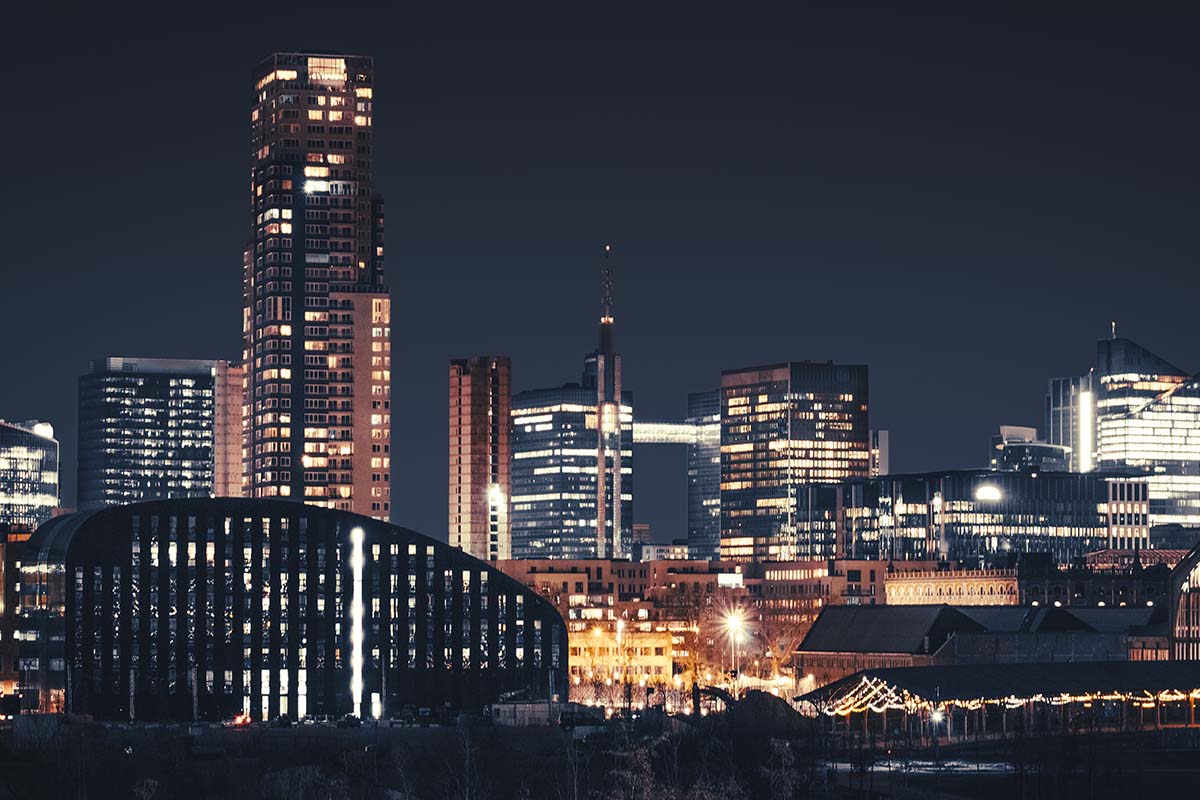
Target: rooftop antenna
(606,288)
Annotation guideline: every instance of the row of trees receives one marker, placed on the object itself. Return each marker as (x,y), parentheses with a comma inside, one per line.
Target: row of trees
(466,762)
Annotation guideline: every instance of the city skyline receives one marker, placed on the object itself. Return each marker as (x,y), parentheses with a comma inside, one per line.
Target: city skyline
(783,402)
(683,320)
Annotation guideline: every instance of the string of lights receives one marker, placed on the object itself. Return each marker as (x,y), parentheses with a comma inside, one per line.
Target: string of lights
(871,693)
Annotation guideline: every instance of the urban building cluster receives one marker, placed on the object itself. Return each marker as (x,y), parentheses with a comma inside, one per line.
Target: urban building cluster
(232,552)
(782,464)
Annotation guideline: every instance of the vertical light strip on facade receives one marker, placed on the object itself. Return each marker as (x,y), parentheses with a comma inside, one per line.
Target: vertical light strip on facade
(1087,431)
(356,620)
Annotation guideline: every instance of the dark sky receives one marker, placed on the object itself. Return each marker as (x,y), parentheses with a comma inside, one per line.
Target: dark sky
(960,198)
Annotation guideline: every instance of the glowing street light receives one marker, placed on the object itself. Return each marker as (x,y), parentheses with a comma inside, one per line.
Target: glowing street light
(735,622)
(735,629)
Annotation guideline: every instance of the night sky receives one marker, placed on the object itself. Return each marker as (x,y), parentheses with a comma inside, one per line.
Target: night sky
(961,199)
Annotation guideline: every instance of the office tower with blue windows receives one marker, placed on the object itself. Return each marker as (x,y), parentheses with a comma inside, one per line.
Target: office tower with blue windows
(704,475)
(155,428)
(572,470)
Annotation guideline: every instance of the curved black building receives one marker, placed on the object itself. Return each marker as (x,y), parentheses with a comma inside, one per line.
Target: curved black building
(206,608)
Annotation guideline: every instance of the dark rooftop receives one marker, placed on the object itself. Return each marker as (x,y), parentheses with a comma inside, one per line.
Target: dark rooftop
(883,629)
(924,628)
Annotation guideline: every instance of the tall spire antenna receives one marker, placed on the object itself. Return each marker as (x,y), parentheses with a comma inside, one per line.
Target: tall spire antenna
(606,289)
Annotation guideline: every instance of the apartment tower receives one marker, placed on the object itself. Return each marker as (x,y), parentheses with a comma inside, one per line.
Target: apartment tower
(480,456)
(316,316)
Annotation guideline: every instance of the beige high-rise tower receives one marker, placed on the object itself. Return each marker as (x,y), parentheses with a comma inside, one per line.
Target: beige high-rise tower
(229,387)
(480,474)
(317,315)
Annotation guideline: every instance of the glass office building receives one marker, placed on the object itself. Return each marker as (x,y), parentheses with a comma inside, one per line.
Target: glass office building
(1134,412)
(28,474)
(554,474)
(153,428)
(1071,419)
(203,609)
(1148,419)
(572,471)
(973,515)
(785,426)
(704,475)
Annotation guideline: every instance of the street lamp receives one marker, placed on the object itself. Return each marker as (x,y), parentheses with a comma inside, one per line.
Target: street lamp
(735,629)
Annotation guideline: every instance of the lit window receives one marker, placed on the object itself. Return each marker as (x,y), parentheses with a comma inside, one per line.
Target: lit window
(326,69)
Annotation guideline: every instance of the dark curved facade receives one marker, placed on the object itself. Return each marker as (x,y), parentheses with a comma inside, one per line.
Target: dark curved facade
(1185,607)
(206,608)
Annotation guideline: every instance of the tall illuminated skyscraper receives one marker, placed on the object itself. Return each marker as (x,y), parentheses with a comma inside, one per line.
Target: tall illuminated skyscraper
(554,474)
(1071,419)
(572,471)
(602,371)
(480,456)
(1134,412)
(317,315)
(1148,420)
(704,475)
(785,426)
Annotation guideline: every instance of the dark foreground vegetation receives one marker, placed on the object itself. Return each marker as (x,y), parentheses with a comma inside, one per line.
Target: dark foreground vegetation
(761,750)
